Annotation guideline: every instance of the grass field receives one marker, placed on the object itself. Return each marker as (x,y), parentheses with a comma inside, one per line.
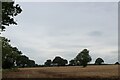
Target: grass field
(102,71)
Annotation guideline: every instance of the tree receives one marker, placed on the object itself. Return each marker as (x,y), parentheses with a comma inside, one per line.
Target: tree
(64,62)
(9,11)
(99,61)
(117,63)
(48,62)
(9,53)
(72,62)
(83,58)
(31,63)
(59,61)
(22,61)
(12,57)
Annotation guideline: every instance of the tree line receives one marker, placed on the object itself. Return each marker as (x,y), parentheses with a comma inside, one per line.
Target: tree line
(82,59)
(12,58)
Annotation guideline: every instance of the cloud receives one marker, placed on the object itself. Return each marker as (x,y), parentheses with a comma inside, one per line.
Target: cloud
(96,33)
(114,52)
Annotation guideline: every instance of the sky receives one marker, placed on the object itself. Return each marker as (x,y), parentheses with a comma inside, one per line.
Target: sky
(66,0)
(49,29)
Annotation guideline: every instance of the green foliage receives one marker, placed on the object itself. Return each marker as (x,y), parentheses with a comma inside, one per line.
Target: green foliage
(72,62)
(9,11)
(31,63)
(83,58)
(22,61)
(99,61)
(60,61)
(48,62)
(12,57)
(9,53)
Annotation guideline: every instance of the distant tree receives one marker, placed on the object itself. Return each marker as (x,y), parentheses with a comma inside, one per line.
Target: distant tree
(64,62)
(83,58)
(31,63)
(117,63)
(72,62)
(22,61)
(99,61)
(9,11)
(60,61)
(48,62)
(36,65)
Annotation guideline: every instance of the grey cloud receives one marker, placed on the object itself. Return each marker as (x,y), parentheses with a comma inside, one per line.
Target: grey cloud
(96,33)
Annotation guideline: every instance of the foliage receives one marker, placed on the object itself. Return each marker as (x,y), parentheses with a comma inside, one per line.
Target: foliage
(48,62)
(83,58)
(9,11)
(99,61)
(59,61)
(9,53)
(72,62)
(12,57)
(31,63)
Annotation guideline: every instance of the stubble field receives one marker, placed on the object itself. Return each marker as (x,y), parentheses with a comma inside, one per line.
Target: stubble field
(91,71)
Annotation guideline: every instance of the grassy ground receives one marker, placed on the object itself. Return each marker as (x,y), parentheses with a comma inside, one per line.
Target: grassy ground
(91,71)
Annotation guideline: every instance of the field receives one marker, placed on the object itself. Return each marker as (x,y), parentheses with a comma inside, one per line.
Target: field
(102,71)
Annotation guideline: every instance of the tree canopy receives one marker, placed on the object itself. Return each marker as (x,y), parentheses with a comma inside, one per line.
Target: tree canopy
(48,62)
(83,58)
(72,62)
(99,61)
(59,61)
(117,63)
(9,11)
(12,57)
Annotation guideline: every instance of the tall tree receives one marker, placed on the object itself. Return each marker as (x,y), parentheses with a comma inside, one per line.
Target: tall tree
(99,61)
(83,57)
(11,55)
(9,11)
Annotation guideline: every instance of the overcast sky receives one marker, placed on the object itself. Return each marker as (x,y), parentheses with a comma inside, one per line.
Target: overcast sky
(50,29)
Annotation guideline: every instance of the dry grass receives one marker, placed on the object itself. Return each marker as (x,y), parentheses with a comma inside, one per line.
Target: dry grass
(103,71)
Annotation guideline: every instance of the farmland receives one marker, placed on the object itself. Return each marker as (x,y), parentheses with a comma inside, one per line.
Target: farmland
(102,71)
